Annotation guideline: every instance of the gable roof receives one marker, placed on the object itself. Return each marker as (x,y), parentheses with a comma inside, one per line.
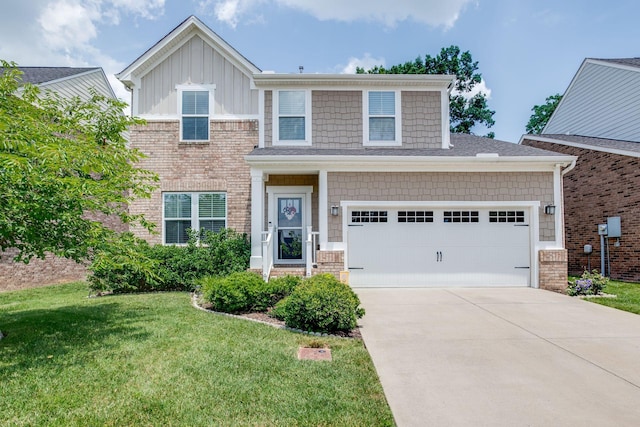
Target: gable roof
(601,101)
(172,41)
(615,146)
(39,75)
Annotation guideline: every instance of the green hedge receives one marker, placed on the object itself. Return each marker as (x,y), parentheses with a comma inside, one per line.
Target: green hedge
(132,265)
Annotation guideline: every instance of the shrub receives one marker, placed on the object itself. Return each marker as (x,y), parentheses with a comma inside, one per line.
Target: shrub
(281,287)
(588,284)
(236,293)
(321,304)
(132,265)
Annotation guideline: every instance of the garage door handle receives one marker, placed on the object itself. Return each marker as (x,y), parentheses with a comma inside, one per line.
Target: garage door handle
(520,225)
(356,268)
(438,256)
(355,225)
(522,267)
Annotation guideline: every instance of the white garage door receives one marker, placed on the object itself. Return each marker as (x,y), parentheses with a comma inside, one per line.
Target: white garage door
(438,247)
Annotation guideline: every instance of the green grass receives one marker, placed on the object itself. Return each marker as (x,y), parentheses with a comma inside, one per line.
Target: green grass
(628,296)
(152,359)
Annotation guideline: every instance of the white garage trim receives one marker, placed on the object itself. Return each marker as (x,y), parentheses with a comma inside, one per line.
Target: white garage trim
(532,208)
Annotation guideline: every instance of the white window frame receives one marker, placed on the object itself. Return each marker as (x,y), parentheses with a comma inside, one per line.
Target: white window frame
(195,218)
(276,122)
(196,88)
(398,120)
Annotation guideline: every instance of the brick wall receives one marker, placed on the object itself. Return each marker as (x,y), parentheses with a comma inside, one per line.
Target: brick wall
(448,186)
(601,185)
(217,165)
(553,270)
(329,262)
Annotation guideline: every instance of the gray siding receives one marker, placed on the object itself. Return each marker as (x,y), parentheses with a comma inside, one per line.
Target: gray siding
(79,86)
(603,102)
(421,120)
(198,63)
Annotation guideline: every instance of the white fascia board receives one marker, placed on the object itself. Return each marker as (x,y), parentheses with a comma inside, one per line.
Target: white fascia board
(406,164)
(351,81)
(580,145)
(441,204)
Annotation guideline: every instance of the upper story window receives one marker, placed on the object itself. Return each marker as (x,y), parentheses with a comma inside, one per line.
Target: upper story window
(382,125)
(195,107)
(197,211)
(293,122)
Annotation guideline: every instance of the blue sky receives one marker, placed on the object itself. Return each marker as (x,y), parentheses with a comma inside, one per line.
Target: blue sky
(526,49)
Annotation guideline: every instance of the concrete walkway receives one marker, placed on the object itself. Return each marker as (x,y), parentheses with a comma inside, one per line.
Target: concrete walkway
(502,357)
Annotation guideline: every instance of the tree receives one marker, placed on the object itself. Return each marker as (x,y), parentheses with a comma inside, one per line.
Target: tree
(542,114)
(64,165)
(465,110)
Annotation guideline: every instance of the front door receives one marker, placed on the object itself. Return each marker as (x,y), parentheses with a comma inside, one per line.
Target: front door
(289,228)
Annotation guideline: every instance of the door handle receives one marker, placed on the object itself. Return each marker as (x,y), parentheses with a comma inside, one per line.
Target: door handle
(438,256)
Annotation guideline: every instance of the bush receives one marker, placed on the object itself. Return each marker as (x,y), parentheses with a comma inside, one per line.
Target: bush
(588,284)
(132,265)
(321,304)
(245,291)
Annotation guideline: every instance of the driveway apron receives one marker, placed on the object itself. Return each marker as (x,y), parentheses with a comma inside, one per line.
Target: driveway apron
(502,357)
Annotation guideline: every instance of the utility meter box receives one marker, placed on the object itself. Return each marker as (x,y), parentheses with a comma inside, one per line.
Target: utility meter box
(613,227)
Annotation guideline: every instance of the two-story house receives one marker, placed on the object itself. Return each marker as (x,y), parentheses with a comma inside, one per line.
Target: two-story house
(340,173)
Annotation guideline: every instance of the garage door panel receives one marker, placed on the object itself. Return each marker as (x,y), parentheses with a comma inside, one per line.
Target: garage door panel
(439,253)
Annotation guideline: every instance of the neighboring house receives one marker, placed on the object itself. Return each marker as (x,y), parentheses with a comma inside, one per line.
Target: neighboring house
(598,120)
(67,82)
(336,172)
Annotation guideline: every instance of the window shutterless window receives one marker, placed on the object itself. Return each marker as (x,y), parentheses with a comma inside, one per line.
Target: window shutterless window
(195,115)
(293,124)
(382,118)
(198,211)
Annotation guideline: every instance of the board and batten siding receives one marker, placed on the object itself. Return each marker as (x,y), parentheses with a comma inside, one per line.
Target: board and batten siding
(603,102)
(79,85)
(197,62)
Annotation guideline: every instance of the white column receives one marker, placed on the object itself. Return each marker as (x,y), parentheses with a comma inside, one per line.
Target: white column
(323,209)
(444,107)
(257,217)
(559,204)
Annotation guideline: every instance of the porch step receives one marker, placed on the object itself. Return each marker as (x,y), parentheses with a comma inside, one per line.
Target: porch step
(282,270)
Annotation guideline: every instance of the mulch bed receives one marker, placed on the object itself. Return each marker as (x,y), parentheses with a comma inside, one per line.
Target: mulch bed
(265,318)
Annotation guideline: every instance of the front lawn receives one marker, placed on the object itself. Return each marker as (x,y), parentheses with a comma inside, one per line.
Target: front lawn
(152,359)
(627,296)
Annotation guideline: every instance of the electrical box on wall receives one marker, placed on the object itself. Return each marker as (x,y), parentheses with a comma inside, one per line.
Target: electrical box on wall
(602,229)
(613,227)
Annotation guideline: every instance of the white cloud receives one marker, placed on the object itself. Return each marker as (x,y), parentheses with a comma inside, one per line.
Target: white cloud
(478,88)
(366,62)
(436,13)
(63,32)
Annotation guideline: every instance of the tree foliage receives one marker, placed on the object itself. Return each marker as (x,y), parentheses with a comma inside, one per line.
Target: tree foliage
(542,114)
(465,110)
(64,165)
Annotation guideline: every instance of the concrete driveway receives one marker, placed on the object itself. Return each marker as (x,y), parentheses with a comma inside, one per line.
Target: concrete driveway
(502,357)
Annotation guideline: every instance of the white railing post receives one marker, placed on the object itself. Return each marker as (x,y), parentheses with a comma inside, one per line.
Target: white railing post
(267,253)
(309,260)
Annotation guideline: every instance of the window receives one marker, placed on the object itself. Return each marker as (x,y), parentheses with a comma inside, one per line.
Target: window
(506,216)
(415,216)
(368,216)
(292,117)
(382,118)
(194,114)
(199,211)
(461,216)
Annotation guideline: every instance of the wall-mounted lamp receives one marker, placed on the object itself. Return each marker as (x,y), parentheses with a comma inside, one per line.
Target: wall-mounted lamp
(550,210)
(335,210)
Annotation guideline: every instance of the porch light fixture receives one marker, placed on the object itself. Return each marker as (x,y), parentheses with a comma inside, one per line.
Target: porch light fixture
(335,210)
(550,210)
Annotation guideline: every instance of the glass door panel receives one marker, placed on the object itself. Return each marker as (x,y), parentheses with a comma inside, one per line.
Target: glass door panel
(290,224)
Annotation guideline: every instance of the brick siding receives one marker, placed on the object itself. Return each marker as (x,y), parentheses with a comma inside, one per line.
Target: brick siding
(600,186)
(217,165)
(553,270)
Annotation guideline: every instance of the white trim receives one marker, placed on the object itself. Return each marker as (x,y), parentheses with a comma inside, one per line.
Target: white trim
(261,118)
(352,81)
(195,217)
(444,116)
(581,145)
(557,201)
(397,142)
(323,208)
(275,97)
(257,217)
(235,117)
(210,89)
